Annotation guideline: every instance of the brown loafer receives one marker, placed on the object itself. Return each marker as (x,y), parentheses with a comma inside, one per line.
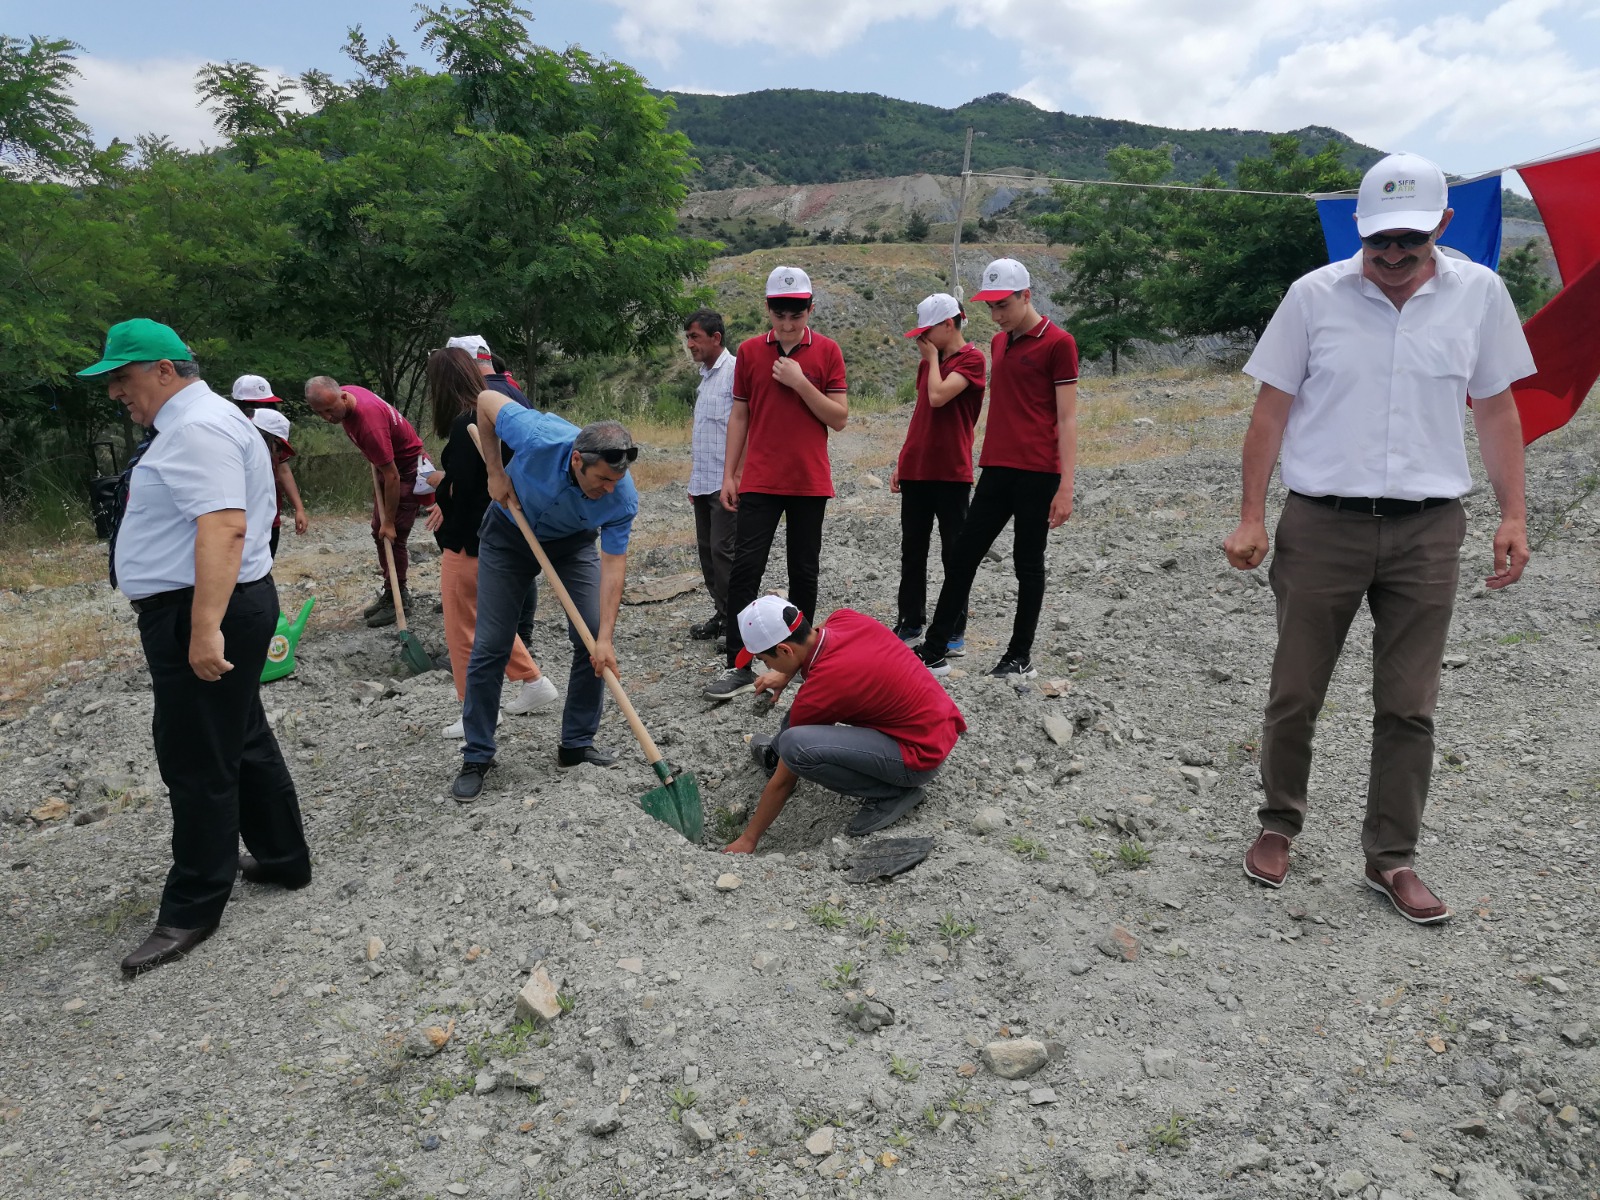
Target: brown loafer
(1267,861)
(254,872)
(1409,895)
(164,944)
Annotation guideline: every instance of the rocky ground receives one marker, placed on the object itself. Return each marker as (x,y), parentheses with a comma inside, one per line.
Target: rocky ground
(721,1028)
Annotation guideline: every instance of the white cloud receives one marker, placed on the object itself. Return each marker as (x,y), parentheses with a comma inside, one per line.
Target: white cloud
(124,98)
(668,30)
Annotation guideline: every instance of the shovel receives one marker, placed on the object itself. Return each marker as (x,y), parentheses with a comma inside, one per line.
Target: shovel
(677,801)
(411,651)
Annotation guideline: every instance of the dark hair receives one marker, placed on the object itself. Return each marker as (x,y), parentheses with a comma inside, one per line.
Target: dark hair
(800,632)
(710,322)
(787,306)
(498,363)
(454,382)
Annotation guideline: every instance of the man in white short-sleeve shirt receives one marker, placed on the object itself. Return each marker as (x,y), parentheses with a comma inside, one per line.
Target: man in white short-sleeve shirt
(1365,373)
(189,550)
(714,525)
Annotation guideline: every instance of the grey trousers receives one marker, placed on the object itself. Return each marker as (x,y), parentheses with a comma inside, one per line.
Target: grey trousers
(850,760)
(1406,569)
(714,527)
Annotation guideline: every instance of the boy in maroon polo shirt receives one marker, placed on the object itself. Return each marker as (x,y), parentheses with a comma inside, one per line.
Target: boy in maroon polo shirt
(788,391)
(1028,456)
(387,441)
(868,721)
(933,474)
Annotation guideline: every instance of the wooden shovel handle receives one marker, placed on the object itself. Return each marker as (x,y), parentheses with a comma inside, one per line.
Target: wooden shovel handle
(388,559)
(646,742)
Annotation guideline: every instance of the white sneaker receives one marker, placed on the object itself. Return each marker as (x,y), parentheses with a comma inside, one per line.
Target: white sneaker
(537,694)
(458,731)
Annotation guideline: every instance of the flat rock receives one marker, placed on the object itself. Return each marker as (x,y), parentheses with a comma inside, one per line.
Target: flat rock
(989,820)
(1579,1033)
(1161,1064)
(538,999)
(1015,1058)
(1474,1181)
(375,946)
(1253,1157)
(762,961)
(820,1143)
(1119,944)
(603,1121)
(1058,729)
(1347,1183)
(698,1129)
(728,882)
(426,1041)
(1042,1095)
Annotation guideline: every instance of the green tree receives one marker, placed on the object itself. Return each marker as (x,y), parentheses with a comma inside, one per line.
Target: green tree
(40,134)
(917,228)
(1233,256)
(1523,271)
(1117,239)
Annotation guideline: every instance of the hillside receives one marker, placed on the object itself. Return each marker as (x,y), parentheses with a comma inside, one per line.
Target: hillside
(800,137)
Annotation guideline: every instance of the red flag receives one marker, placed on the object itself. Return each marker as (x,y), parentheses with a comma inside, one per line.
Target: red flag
(1564,335)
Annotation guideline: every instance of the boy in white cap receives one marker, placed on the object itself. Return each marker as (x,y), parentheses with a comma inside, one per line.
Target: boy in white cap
(274,427)
(251,392)
(1029,451)
(1365,372)
(788,392)
(933,474)
(867,722)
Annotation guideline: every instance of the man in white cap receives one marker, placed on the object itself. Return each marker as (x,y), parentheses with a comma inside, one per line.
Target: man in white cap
(788,392)
(1029,452)
(868,722)
(274,427)
(933,474)
(251,392)
(1365,373)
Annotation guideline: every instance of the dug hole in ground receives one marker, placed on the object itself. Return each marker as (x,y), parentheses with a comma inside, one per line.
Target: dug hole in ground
(782,1032)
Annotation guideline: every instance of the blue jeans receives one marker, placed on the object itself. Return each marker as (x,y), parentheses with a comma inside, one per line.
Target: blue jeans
(506,571)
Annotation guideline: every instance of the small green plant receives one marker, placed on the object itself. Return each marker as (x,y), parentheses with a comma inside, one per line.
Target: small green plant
(897,941)
(1134,854)
(845,974)
(1519,636)
(899,1139)
(682,1101)
(477,1055)
(567,1001)
(516,1039)
(828,916)
(866,924)
(1099,861)
(904,1068)
(1086,819)
(728,824)
(1028,848)
(932,1116)
(952,929)
(1173,1134)
(391,1178)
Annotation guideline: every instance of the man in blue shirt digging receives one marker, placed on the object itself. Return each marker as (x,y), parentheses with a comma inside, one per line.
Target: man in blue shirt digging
(574,489)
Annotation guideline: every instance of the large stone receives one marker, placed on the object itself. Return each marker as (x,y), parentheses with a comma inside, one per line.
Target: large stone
(697,1128)
(1579,1033)
(1347,1183)
(1474,1181)
(426,1041)
(988,820)
(537,999)
(1161,1064)
(1015,1058)
(820,1143)
(1253,1157)
(1058,729)
(1119,944)
(603,1121)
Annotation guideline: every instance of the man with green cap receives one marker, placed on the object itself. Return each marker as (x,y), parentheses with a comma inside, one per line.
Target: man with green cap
(189,550)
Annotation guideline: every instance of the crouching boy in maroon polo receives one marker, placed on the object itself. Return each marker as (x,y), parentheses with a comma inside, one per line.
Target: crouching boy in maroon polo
(868,722)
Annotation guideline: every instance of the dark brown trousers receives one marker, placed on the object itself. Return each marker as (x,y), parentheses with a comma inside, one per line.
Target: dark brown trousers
(1406,568)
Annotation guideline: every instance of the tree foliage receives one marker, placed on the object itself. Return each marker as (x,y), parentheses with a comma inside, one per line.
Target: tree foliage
(40,135)
(1117,238)
(1525,278)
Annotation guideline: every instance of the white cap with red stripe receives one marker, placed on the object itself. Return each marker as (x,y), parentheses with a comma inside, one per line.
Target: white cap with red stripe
(761,626)
(788,283)
(1001,278)
(936,308)
(473,344)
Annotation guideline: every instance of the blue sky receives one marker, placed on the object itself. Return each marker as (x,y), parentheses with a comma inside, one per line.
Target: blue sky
(1472,85)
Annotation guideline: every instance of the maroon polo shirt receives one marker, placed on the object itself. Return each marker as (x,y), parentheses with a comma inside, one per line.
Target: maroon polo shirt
(786,450)
(1025,371)
(939,440)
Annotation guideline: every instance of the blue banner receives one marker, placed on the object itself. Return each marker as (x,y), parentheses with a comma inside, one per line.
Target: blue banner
(1474,230)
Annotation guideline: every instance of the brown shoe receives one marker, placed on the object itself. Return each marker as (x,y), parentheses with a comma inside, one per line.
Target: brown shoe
(1267,861)
(163,946)
(254,872)
(1409,895)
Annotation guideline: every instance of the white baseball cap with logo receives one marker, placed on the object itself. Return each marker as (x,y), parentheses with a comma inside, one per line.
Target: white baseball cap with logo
(1401,191)
(270,420)
(788,283)
(761,626)
(252,389)
(1002,277)
(472,344)
(940,306)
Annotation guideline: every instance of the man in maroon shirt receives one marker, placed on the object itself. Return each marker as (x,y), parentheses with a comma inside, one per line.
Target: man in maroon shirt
(391,445)
(788,392)
(868,721)
(933,474)
(1028,456)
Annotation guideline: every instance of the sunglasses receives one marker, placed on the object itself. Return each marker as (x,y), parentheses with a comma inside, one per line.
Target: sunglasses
(1406,241)
(618,457)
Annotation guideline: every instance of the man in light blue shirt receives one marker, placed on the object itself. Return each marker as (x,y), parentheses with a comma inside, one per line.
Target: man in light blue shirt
(714,525)
(573,486)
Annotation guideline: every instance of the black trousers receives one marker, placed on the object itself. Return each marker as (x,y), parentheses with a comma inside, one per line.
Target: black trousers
(922,502)
(713,531)
(759,514)
(1003,494)
(224,772)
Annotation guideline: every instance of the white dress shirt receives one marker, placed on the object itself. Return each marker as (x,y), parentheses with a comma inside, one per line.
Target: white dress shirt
(713,401)
(1380,394)
(206,457)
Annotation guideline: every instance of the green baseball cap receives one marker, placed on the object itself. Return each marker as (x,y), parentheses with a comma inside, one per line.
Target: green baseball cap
(139,340)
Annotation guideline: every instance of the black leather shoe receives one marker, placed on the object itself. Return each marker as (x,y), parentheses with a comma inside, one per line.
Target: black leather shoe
(576,756)
(163,946)
(707,629)
(254,872)
(470,782)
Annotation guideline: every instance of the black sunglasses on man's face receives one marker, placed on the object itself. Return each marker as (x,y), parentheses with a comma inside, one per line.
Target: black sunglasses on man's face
(1406,241)
(618,457)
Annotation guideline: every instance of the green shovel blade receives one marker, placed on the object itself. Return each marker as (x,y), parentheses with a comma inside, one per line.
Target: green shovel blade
(416,658)
(676,802)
